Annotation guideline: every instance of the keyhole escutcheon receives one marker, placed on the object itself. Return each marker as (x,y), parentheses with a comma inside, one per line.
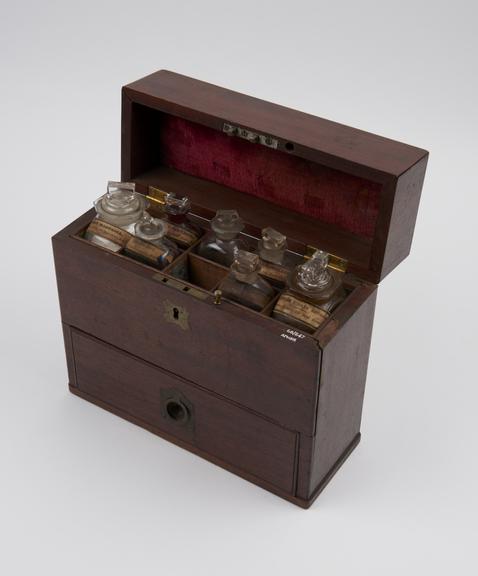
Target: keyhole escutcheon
(176,314)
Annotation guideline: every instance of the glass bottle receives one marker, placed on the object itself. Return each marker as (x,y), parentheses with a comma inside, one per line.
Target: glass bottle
(244,285)
(180,228)
(117,212)
(222,243)
(276,262)
(314,291)
(149,244)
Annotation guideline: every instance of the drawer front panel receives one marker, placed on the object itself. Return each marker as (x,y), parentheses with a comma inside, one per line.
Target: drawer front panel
(198,418)
(234,352)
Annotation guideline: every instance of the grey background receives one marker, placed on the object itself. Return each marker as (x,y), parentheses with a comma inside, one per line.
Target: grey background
(83,492)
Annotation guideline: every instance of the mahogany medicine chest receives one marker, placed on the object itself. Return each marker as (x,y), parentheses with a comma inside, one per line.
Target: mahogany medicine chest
(273,404)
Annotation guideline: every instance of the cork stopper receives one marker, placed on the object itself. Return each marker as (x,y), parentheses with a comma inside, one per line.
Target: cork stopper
(272,245)
(149,228)
(227,224)
(245,266)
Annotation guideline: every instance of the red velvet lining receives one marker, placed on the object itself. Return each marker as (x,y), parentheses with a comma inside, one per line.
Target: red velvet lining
(332,196)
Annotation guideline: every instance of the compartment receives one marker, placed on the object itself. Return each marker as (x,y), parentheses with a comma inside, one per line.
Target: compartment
(196,270)
(193,269)
(143,256)
(349,286)
(251,242)
(180,411)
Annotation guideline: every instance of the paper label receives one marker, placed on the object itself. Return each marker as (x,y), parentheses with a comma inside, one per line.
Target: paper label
(291,306)
(108,231)
(181,235)
(274,272)
(148,251)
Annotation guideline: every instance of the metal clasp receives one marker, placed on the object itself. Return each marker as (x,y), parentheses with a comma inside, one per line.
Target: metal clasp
(156,195)
(250,136)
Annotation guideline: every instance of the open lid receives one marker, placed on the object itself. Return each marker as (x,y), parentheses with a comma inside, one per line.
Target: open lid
(320,183)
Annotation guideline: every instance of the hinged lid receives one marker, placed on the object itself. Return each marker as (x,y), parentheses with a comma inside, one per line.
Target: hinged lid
(320,183)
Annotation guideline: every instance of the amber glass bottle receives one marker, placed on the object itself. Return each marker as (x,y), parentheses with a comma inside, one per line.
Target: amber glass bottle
(180,228)
(314,291)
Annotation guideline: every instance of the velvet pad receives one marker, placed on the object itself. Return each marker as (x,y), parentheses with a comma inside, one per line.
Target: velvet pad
(337,198)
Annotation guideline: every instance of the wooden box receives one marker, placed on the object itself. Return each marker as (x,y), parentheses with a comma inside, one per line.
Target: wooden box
(275,405)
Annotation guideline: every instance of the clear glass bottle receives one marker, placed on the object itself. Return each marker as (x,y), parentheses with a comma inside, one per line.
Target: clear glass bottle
(180,229)
(276,262)
(222,243)
(117,212)
(314,291)
(244,285)
(149,244)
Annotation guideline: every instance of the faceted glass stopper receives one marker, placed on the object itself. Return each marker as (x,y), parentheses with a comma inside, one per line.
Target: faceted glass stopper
(149,228)
(245,265)
(313,274)
(227,224)
(177,204)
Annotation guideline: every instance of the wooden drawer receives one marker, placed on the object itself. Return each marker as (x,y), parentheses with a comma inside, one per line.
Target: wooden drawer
(169,405)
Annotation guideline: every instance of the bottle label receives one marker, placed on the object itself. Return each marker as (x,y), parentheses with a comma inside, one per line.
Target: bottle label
(181,235)
(148,251)
(312,315)
(108,231)
(274,272)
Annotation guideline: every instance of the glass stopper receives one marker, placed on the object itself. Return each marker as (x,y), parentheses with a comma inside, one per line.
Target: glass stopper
(273,240)
(149,228)
(120,199)
(245,265)
(227,224)
(272,245)
(313,274)
(176,204)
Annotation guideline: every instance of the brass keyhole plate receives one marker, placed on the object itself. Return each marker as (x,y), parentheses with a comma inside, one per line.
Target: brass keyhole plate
(176,314)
